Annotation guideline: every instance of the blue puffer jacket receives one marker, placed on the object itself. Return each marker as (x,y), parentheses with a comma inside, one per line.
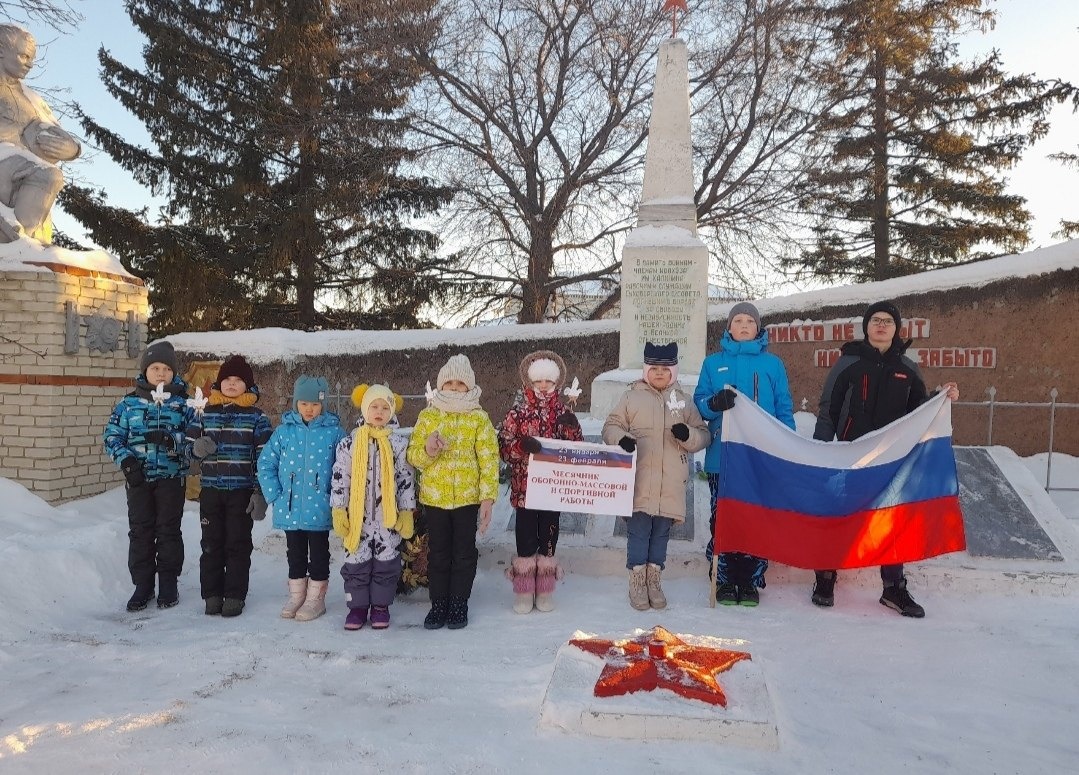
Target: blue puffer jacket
(295,471)
(135,414)
(752,370)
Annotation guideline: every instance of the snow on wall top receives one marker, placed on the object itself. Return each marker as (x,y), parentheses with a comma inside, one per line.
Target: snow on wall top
(268,345)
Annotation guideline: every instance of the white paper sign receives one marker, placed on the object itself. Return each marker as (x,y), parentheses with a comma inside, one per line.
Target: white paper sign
(581,476)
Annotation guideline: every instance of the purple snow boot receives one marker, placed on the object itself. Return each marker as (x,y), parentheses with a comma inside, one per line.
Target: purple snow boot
(356,619)
(380,617)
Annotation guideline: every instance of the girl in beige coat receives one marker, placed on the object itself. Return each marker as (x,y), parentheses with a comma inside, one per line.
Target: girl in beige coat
(657,418)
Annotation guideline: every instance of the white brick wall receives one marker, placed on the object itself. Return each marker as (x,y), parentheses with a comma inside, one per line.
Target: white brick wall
(54,405)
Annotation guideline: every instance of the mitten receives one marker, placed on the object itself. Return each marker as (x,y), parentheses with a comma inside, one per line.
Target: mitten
(406,524)
(203,446)
(256,507)
(628,443)
(680,431)
(340,521)
(132,468)
(530,444)
(721,401)
(568,420)
(161,438)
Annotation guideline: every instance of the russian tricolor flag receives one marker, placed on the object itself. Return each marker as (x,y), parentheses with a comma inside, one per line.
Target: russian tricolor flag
(889,497)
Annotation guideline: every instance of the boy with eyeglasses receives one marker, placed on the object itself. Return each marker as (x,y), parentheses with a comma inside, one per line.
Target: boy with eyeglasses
(871,385)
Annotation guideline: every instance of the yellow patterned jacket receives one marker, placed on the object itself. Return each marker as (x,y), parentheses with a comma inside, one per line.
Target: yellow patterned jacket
(464,473)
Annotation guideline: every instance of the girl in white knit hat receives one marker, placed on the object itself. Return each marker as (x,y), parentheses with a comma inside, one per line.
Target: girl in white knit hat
(539,413)
(373,496)
(455,449)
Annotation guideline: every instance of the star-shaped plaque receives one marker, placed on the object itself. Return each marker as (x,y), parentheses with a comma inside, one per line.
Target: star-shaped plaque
(659,659)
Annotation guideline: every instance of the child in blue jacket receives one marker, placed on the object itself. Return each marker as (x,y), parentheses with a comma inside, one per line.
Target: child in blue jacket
(742,362)
(145,436)
(228,438)
(295,470)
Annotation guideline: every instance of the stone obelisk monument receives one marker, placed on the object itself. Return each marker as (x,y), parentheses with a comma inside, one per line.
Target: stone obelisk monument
(664,262)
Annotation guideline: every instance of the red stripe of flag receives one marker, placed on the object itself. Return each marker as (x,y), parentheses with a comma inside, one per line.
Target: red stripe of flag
(888,536)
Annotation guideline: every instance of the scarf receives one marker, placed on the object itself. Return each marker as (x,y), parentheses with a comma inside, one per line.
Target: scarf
(358,489)
(449,401)
(217,398)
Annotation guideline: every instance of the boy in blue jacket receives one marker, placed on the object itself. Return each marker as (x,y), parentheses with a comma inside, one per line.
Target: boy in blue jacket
(144,435)
(228,438)
(295,470)
(742,362)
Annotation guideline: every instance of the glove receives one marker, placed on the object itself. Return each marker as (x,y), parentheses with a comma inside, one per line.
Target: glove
(204,446)
(340,521)
(628,443)
(161,438)
(406,524)
(568,420)
(680,431)
(721,401)
(530,444)
(132,468)
(256,507)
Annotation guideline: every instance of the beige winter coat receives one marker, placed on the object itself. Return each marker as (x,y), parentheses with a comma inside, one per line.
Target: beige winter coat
(662,460)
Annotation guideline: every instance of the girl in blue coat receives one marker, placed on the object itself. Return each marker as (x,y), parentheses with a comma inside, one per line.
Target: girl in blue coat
(294,471)
(743,363)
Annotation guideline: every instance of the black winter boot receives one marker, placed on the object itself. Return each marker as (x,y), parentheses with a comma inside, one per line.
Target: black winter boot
(167,595)
(824,588)
(896,597)
(727,594)
(142,596)
(436,617)
(457,616)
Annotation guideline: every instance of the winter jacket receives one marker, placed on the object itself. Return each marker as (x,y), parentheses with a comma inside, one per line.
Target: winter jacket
(466,472)
(295,469)
(240,431)
(377,541)
(866,390)
(752,370)
(135,414)
(534,415)
(647,415)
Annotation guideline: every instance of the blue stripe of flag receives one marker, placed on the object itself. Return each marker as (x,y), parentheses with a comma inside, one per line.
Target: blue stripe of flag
(758,478)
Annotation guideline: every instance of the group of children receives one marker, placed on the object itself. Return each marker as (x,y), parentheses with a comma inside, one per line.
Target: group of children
(362,485)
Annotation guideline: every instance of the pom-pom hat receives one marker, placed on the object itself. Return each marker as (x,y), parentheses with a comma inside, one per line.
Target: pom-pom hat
(364,395)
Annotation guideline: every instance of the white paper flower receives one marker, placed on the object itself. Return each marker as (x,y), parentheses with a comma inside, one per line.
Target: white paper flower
(198,403)
(160,395)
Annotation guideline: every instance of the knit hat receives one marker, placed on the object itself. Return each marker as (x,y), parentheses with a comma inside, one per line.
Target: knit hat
(364,395)
(457,368)
(543,368)
(236,366)
(159,352)
(661,354)
(313,389)
(886,307)
(744,308)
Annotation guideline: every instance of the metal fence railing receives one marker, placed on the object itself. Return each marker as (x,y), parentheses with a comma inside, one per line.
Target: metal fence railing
(1052,405)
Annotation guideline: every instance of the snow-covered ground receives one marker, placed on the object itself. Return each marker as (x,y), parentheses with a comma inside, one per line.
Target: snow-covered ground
(984,684)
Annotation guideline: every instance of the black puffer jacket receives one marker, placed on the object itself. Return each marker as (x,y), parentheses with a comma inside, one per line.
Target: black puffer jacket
(866,390)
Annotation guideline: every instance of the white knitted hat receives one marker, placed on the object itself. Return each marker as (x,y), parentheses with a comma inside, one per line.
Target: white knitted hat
(457,368)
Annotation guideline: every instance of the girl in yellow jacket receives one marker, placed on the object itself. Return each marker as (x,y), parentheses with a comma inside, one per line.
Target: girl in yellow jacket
(455,449)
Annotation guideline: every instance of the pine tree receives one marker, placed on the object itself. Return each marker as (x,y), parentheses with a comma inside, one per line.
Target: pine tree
(913,178)
(277,127)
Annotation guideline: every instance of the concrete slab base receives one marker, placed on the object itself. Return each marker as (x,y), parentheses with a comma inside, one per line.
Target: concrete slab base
(569,704)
